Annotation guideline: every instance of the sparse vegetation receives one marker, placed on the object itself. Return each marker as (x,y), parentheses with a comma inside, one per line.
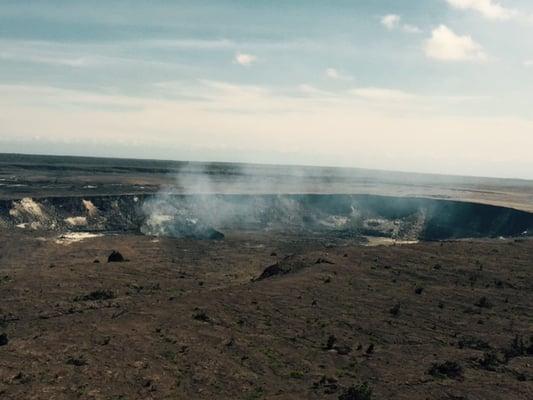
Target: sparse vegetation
(489,361)
(201,316)
(471,342)
(296,374)
(359,392)
(255,394)
(518,348)
(97,295)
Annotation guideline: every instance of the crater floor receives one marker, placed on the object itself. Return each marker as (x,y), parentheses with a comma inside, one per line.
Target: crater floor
(187,319)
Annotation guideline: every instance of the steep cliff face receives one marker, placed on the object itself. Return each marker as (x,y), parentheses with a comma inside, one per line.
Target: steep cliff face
(207,216)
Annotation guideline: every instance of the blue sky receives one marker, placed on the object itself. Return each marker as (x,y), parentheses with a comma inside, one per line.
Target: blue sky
(430,86)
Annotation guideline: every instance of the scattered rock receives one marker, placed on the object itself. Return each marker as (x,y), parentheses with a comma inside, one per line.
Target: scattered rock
(272,270)
(115,256)
(97,295)
(447,369)
(201,316)
(21,379)
(289,264)
(330,342)
(483,303)
(3,339)
(395,311)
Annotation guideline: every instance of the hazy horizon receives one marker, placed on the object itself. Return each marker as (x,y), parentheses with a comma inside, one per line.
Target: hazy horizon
(439,87)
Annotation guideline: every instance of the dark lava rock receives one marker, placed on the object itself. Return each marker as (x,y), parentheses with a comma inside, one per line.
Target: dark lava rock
(272,270)
(115,256)
(483,303)
(201,316)
(289,264)
(97,295)
(395,311)
(448,369)
(3,339)
(330,343)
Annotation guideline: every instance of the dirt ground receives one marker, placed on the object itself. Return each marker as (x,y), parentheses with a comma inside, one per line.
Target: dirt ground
(183,319)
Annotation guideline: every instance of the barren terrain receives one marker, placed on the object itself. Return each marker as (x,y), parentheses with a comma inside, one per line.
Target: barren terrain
(287,297)
(189,319)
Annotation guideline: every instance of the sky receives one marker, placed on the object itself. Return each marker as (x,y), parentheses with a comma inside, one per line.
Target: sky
(439,86)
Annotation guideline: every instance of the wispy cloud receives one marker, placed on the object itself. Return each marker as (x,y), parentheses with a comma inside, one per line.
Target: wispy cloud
(78,62)
(73,55)
(333,73)
(246,60)
(390,21)
(186,43)
(445,45)
(487,8)
(393,21)
(411,28)
(383,94)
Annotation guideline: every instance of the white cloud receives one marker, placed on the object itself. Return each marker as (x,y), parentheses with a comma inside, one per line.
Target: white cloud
(411,28)
(393,21)
(390,21)
(528,63)
(445,45)
(246,60)
(488,8)
(334,74)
